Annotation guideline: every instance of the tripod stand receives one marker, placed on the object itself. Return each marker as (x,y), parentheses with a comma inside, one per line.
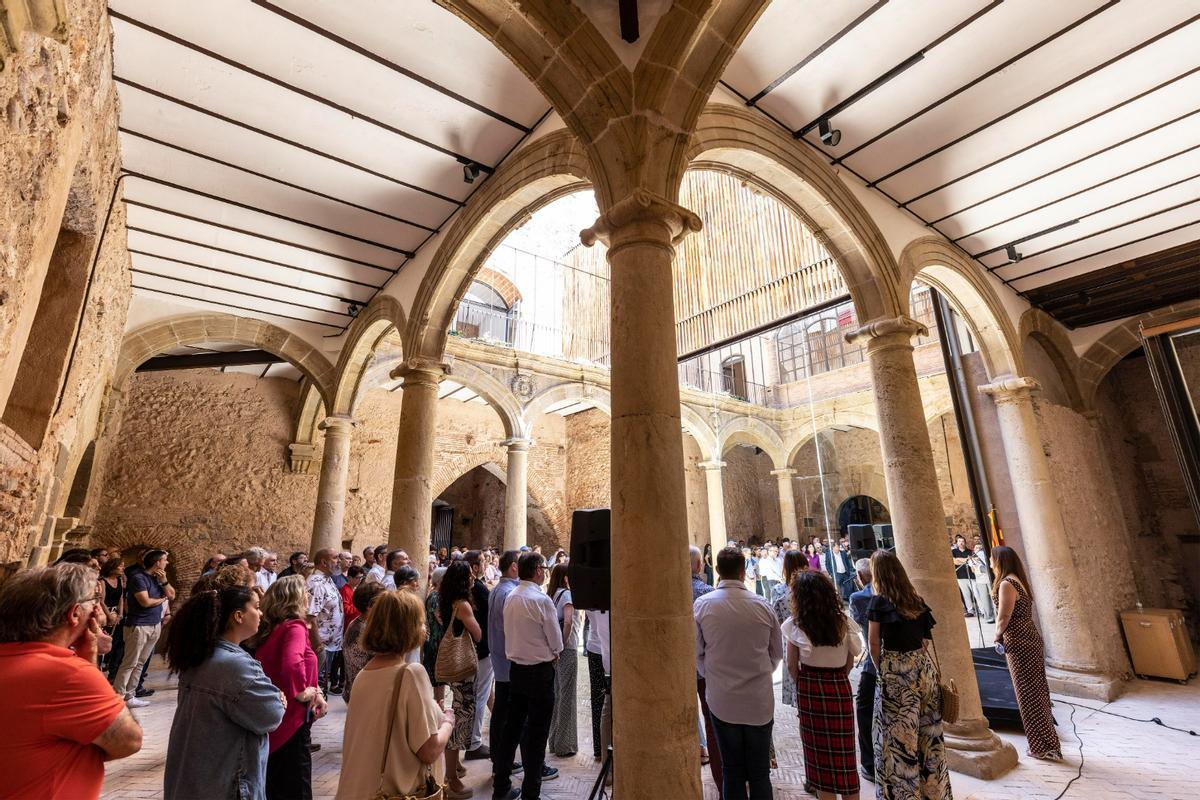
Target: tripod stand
(598,789)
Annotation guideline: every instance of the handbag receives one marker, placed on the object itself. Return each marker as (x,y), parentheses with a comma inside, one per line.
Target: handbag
(949,692)
(429,790)
(456,658)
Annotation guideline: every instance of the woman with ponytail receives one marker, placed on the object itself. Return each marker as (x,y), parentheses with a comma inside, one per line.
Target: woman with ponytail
(227,705)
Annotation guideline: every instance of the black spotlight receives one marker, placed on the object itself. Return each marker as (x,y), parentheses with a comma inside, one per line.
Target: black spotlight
(470,171)
(830,137)
(352,308)
(1013,255)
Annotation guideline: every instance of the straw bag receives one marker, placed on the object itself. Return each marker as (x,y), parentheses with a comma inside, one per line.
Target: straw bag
(456,659)
(429,790)
(949,692)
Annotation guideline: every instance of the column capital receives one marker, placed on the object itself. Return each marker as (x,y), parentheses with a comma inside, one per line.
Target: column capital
(421,371)
(786,472)
(710,465)
(516,444)
(337,423)
(888,326)
(1012,388)
(634,219)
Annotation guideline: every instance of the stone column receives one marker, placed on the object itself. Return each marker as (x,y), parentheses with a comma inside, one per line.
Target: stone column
(516,494)
(331,491)
(1072,664)
(715,492)
(412,489)
(653,632)
(922,543)
(787,503)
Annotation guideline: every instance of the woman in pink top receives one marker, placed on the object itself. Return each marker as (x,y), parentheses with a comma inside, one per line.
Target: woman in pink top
(286,655)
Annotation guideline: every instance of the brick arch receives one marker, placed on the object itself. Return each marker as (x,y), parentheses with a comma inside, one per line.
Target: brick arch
(933,260)
(149,340)
(504,287)
(739,139)
(1120,341)
(1052,336)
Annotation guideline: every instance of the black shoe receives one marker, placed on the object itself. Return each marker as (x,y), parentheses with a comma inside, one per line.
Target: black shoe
(869,777)
(549,773)
(511,794)
(335,690)
(143,692)
(314,747)
(968,615)
(518,768)
(478,753)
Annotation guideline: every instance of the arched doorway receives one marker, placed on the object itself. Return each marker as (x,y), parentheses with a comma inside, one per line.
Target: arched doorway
(469,512)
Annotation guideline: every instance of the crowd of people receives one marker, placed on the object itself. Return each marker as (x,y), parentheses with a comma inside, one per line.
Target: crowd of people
(259,654)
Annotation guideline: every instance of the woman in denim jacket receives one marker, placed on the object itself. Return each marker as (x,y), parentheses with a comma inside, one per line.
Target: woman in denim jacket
(227,704)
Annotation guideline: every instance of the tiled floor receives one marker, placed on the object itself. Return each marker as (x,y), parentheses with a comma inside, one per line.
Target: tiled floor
(1125,760)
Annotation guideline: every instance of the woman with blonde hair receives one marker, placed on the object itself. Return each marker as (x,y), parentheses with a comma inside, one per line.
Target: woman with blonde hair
(910,751)
(285,652)
(1017,633)
(393,717)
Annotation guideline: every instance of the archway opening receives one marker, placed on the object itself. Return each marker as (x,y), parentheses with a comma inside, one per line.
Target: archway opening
(474,504)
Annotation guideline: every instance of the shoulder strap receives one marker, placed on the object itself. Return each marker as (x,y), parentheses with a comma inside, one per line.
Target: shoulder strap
(387,739)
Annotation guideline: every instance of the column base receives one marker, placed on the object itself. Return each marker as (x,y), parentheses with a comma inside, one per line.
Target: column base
(972,749)
(1087,684)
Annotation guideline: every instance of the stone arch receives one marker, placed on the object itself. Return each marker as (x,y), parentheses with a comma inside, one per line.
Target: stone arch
(548,168)
(1050,334)
(497,395)
(740,139)
(382,316)
(1120,341)
(445,475)
(748,430)
(149,340)
(561,392)
(695,426)
(77,492)
(933,260)
(854,419)
(309,414)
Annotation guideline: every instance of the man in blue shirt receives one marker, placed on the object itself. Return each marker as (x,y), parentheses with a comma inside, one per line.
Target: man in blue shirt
(147,597)
(864,701)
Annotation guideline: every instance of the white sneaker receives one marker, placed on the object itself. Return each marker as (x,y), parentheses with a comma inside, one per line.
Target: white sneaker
(137,702)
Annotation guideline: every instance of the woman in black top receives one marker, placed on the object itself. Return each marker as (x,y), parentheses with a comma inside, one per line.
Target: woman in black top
(910,752)
(456,611)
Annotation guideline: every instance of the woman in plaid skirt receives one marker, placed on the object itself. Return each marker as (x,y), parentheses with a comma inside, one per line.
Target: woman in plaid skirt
(822,643)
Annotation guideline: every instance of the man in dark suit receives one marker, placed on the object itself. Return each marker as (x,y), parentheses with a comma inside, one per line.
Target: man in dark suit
(864,701)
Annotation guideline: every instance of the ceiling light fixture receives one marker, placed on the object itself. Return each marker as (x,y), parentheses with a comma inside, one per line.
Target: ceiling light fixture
(471,171)
(352,307)
(1013,255)
(830,137)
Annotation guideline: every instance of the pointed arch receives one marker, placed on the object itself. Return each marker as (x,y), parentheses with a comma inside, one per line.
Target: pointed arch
(149,340)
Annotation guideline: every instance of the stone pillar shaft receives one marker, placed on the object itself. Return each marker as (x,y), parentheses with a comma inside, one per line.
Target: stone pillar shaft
(516,493)
(1072,664)
(715,492)
(653,632)
(412,489)
(787,503)
(921,540)
(331,491)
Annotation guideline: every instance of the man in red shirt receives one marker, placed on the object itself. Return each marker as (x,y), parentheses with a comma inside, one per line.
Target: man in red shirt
(64,721)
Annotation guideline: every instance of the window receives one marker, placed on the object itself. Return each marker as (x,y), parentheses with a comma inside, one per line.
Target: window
(733,376)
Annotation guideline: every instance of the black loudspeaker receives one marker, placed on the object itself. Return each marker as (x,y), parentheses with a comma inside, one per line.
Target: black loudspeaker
(589,569)
(862,541)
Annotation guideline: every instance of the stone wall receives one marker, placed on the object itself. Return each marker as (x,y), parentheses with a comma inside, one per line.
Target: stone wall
(746,478)
(58,134)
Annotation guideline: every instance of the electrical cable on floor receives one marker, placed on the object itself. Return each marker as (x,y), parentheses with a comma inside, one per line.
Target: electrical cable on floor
(1157,721)
(1079,773)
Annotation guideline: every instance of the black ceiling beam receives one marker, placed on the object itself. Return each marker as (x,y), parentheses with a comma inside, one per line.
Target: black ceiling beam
(1070,164)
(1065,84)
(256,209)
(239,308)
(378,59)
(284,140)
(1055,135)
(976,81)
(1109,229)
(236,358)
(1097,253)
(227,251)
(305,93)
(1026,238)
(272,179)
(256,235)
(895,71)
(252,295)
(244,276)
(830,42)
(1126,174)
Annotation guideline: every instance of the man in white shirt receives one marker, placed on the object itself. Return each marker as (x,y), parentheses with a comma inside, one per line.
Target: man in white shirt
(771,570)
(532,642)
(378,570)
(257,559)
(738,647)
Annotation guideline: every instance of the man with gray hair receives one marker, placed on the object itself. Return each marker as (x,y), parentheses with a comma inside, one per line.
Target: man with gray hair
(864,701)
(65,721)
(256,559)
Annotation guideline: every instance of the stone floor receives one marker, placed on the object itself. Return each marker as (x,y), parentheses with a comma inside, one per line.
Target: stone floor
(1125,760)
